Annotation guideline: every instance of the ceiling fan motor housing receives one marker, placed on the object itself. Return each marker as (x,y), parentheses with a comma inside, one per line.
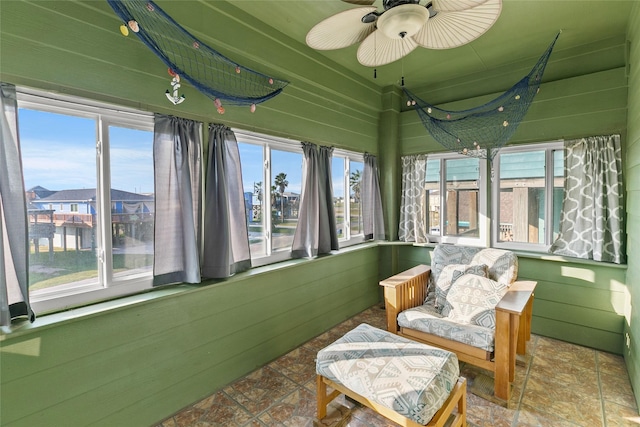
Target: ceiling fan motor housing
(388,4)
(403,20)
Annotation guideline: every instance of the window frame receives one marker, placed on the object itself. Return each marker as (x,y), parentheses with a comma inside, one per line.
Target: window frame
(349,238)
(483,221)
(270,143)
(549,148)
(105,115)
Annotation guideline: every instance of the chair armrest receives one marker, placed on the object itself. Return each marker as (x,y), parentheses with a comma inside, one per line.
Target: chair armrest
(518,301)
(403,291)
(517,297)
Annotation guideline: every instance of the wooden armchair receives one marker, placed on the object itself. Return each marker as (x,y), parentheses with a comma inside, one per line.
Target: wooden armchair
(409,289)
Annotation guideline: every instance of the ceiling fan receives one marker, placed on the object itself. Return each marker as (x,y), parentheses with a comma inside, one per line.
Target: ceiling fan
(403,25)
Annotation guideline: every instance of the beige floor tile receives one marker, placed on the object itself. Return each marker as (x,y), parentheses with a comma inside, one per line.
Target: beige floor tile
(557,384)
(621,416)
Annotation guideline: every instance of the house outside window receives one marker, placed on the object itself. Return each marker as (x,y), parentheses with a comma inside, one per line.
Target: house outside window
(528,189)
(84,157)
(454,199)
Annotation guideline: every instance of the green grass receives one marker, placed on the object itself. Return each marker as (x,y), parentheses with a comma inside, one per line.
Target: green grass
(77,265)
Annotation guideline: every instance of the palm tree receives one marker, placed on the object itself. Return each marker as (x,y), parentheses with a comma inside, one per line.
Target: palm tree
(354,182)
(257,190)
(281,183)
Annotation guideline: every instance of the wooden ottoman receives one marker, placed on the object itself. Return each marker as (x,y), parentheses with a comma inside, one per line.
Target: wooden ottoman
(410,383)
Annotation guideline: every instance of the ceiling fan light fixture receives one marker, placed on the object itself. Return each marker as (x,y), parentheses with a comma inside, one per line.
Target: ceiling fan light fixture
(403,20)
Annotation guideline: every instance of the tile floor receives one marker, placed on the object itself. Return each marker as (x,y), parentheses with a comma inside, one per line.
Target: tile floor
(560,385)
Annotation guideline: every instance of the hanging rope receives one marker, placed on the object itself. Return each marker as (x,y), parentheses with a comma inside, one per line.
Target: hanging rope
(213,74)
(482,131)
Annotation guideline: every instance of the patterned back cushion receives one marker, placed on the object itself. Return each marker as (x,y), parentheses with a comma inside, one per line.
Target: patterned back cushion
(449,274)
(472,300)
(444,255)
(502,264)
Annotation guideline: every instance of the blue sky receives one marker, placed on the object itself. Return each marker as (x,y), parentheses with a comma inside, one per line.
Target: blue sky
(58,153)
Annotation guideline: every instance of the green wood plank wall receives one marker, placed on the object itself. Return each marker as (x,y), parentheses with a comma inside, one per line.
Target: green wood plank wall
(587,309)
(139,364)
(593,104)
(578,302)
(632,179)
(76,47)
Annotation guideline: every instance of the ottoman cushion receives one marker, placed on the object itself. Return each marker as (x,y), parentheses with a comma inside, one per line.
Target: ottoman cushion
(410,378)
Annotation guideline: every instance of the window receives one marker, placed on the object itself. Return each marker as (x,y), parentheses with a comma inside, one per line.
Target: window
(454,200)
(346,177)
(355,197)
(94,164)
(339,202)
(272,210)
(528,191)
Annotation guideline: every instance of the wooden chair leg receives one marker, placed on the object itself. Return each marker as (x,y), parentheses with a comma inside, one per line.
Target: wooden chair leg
(321,396)
(502,353)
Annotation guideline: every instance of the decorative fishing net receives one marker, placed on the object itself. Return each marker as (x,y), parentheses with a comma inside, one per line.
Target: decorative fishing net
(213,74)
(482,131)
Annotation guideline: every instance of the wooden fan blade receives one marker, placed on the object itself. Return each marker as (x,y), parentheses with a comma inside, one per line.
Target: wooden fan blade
(341,30)
(360,2)
(447,30)
(378,49)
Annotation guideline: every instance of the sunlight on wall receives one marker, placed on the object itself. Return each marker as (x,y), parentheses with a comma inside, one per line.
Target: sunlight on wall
(26,348)
(579,273)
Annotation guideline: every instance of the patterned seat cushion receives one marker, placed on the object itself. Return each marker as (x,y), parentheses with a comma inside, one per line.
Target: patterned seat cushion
(426,318)
(410,378)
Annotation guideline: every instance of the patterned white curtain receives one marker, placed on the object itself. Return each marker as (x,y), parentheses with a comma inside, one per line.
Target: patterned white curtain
(412,226)
(372,215)
(591,222)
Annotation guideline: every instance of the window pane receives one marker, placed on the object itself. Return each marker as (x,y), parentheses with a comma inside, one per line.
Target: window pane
(59,166)
(286,173)
(355,181)
(522,197)
(337,179)
(432,196)
(461,213)
(132,200)
(558,190)
(252,161)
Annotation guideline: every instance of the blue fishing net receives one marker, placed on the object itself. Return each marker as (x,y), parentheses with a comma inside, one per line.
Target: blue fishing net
(482,131)
(218,77)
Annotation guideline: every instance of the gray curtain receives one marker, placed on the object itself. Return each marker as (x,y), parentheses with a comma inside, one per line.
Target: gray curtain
(177,148)
(226,238)
(316,232)
(372,214)
(591,221)
(14,233)
(412,227)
